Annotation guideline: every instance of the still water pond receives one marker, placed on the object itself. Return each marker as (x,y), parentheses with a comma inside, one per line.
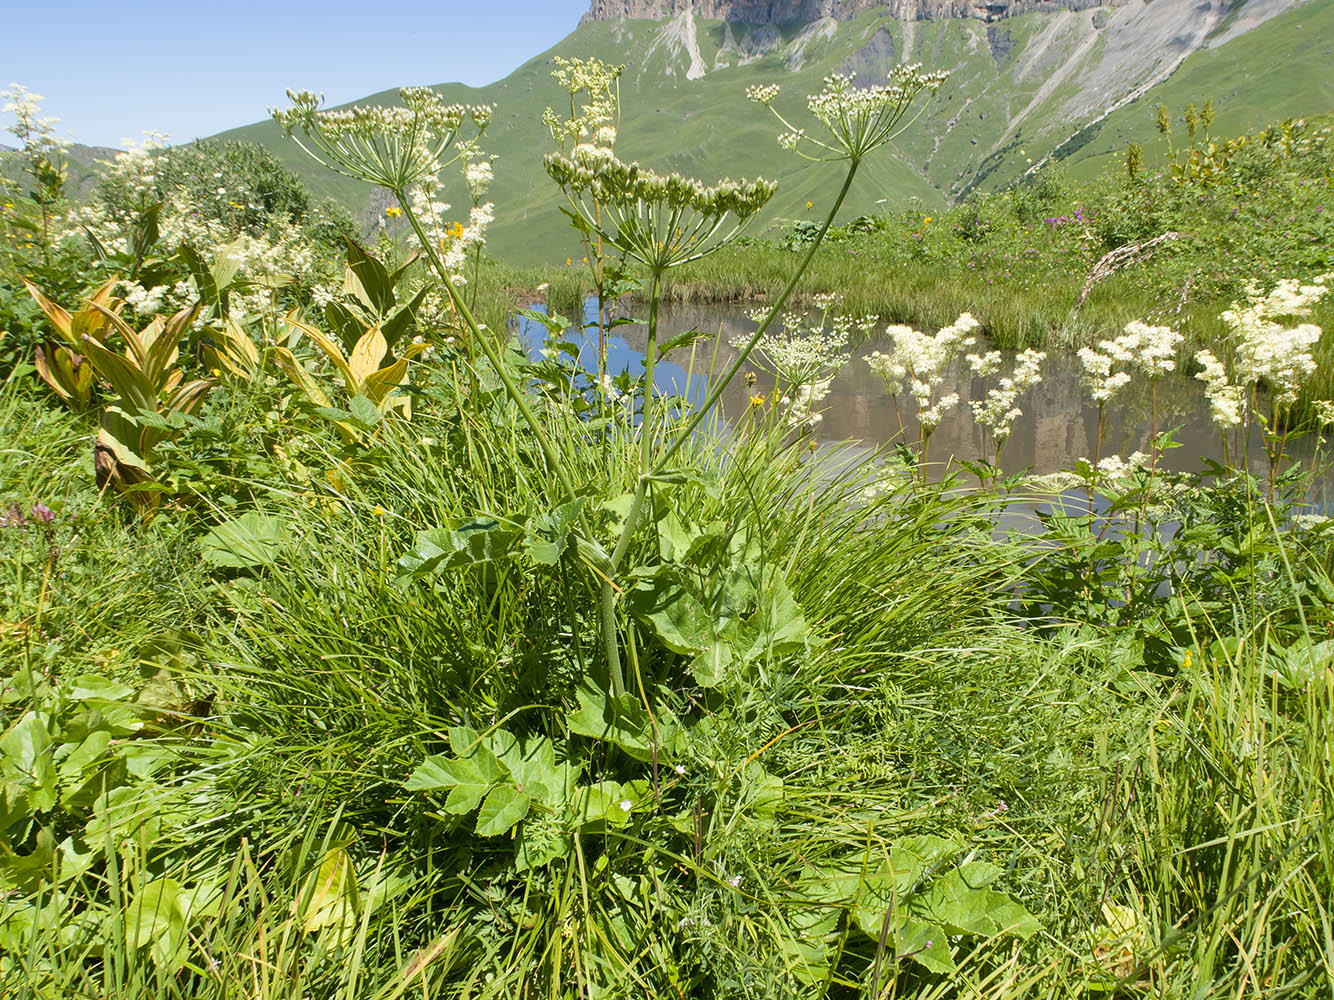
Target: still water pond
(1059,424)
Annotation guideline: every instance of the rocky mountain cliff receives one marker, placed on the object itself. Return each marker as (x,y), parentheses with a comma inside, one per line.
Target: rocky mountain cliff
(803,11)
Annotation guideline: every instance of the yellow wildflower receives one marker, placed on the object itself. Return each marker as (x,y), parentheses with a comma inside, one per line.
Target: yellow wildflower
(756,401)
(809,204)
(926,220)
(393,211)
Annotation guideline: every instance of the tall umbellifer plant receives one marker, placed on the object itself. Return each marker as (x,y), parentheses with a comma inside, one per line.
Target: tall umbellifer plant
(657,221)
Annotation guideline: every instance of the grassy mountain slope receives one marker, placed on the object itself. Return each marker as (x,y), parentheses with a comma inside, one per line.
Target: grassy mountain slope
(1020,88)
(84,164)
(1279,70)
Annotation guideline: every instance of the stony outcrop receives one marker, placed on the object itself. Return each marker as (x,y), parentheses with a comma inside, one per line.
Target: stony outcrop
(802,11)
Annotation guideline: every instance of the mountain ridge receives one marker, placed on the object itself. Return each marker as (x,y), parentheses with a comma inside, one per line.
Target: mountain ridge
(786,12)
(1083,83)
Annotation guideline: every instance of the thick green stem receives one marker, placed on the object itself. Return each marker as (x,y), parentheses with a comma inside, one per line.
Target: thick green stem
(609,636)
(633,516)
(650,357)
(716,392)
(636,506)
(492,355)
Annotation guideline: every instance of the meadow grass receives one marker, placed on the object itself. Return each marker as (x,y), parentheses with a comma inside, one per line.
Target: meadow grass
(1166,820)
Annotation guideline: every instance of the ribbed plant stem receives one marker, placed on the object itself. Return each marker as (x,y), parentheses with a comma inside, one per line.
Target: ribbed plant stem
(492,355)
(716,392)
(647,472)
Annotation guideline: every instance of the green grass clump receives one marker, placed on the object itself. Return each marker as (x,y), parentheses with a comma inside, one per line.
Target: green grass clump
(1150,782)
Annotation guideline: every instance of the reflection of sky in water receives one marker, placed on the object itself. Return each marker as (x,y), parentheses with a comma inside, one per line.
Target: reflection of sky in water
(1058,427)
(670,376)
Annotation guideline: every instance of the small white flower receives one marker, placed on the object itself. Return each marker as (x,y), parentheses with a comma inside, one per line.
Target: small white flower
(680,769)
(625,805)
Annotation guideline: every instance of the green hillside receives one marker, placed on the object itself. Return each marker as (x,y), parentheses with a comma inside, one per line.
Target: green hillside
(1280,70)
(1018,91)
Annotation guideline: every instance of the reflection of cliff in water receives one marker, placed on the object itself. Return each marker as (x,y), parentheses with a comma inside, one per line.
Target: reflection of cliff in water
(1059,425)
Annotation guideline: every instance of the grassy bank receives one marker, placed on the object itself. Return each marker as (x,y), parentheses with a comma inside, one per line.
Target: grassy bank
(1090,799)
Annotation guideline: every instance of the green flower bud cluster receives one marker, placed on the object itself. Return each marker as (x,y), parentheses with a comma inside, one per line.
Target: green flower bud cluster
(595,170)
(395,147)
(661,221)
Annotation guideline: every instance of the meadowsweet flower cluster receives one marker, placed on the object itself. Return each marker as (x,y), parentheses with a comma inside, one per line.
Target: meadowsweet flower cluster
(921,363)
(1152,349)
(858,119)
(478,174)
(1103,384)
(1268,350)
(395,147)
(1226,400)
(594,122)
(35,131)
(999,410)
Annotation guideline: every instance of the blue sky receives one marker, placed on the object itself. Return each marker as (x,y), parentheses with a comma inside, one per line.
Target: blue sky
(192,68)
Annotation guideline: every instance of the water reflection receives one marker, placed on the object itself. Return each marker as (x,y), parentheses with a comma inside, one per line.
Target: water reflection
(1059,424)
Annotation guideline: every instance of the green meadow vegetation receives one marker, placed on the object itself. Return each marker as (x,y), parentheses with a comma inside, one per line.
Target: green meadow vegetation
(349,651)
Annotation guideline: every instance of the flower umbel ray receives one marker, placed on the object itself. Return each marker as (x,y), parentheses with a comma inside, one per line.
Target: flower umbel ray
(392,147)
(661,221)
(859,120)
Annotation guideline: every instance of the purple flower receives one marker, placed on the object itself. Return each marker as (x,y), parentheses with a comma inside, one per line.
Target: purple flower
(41,512)
(13,517)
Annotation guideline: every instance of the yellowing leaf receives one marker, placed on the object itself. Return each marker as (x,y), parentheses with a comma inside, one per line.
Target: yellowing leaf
(366,357)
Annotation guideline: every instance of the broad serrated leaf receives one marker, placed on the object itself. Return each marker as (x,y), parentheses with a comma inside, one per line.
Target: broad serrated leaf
(504,807)
(156,919)
(677,617)
(620,721)
(549,533)
(441,549)
(926,944)
(961,902)
(463,779)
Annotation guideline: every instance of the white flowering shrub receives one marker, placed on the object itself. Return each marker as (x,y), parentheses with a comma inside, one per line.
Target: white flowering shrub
(922,364)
